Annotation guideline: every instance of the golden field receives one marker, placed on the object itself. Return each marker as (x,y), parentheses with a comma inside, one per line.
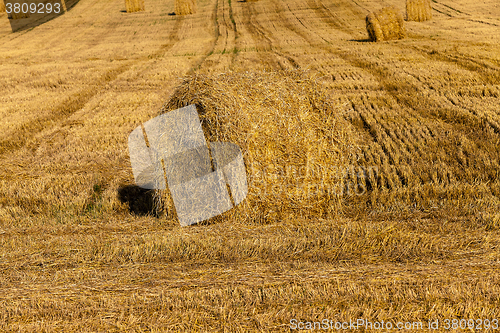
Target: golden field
(420,242)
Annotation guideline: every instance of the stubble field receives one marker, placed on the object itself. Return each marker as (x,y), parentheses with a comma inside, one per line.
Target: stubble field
(418,241)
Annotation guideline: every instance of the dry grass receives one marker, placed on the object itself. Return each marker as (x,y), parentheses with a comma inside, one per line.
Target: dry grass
(185,7)
(418,10)
(290,133)
(134,6)
(227,276)
(385,24)
(2,6)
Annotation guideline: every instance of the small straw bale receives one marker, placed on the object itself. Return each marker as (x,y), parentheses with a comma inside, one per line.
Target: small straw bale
(385,24)
(185,7)
(418,10)
(134,6)
(293,138)
(2,6)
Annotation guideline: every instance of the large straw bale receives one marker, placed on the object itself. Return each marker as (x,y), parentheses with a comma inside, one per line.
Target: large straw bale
(293,138)
(134,6)
(185,7)
(2,6)
(385,24)
(418,10)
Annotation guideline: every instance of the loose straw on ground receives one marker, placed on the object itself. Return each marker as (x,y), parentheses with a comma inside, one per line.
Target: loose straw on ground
(418,10)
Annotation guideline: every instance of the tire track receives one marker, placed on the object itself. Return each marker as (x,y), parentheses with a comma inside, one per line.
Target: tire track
(468,62)
(490,74)
(224,43)
(448,8)
(262,36)
(408,96)
(20,136)
(332,19)
(456,13)
(198,64)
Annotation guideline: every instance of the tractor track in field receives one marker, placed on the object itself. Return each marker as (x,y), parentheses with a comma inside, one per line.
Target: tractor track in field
(199,63)
(444,7)
(225,32)
(24,135)
(484,22)
(262,36)
(489,73)
(468,63)
(383,75)
(261,39)
(401,92)
(329,17)
(20,136)
(456,13)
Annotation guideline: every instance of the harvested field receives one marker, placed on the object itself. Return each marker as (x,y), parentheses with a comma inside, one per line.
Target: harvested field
(411,232)
(185,7)
(418,10)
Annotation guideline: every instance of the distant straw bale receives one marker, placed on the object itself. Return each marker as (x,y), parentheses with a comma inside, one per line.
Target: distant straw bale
(2,6)
(385,24)
(418,10)
(134,6)
(293,138)
(185,7)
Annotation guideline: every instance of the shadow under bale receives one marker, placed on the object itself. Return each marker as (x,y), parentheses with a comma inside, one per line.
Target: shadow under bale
(140,201)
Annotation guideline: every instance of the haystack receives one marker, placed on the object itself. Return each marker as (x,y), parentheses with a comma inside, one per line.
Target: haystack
(385,24)
(134,5)
(418,10)
(2,6)
(293,138)
(185,7)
